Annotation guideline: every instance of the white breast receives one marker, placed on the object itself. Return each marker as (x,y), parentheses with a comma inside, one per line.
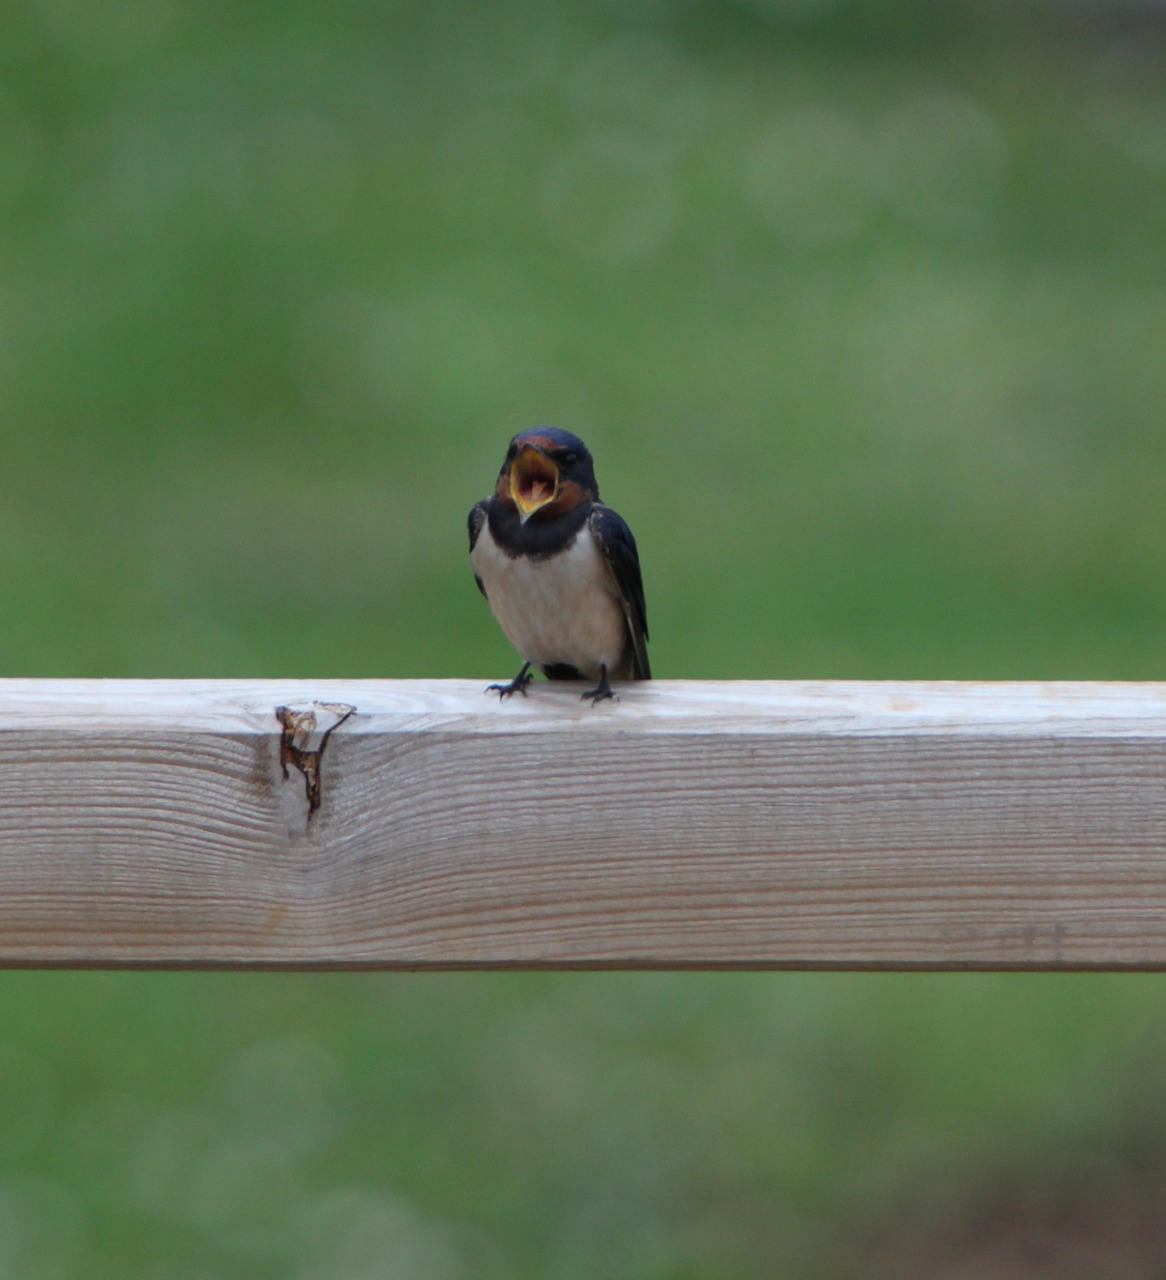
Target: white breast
(562,609)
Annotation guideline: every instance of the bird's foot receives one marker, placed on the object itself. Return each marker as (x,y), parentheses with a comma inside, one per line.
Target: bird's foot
(517,685)
(601,692)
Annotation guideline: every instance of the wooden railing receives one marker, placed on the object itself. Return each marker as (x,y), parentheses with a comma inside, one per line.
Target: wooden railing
(788,825)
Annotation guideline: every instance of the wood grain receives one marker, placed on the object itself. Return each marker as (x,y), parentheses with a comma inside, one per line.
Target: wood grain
(148,823)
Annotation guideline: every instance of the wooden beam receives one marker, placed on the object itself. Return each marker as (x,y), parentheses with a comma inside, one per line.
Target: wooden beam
(149,823)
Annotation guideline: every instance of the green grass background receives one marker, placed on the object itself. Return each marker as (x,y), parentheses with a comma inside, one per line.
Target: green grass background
(862,309)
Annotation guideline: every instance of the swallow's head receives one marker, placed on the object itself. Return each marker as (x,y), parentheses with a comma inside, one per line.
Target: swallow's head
(547,472)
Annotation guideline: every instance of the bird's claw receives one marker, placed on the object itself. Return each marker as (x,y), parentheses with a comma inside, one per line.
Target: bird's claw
(517,685)
(599,695)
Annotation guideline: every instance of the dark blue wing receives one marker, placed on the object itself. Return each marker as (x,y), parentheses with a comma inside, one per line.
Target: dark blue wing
(476,521)
(618,545)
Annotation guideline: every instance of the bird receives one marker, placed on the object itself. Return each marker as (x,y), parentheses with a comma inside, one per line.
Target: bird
(559,569)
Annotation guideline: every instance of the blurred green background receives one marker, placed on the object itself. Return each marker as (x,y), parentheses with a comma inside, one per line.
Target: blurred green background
(862,309)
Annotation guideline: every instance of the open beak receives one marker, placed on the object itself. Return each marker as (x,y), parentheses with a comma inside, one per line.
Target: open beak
(534,481)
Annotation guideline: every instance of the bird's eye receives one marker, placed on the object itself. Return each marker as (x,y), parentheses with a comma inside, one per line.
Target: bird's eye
(569,458)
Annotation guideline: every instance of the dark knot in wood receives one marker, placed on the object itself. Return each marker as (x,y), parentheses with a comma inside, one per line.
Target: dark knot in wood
(306,731)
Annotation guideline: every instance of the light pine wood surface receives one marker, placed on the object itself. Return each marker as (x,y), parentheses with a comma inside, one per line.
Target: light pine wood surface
(746,824)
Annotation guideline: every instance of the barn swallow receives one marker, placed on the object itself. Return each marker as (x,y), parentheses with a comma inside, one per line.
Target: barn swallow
(559,569)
